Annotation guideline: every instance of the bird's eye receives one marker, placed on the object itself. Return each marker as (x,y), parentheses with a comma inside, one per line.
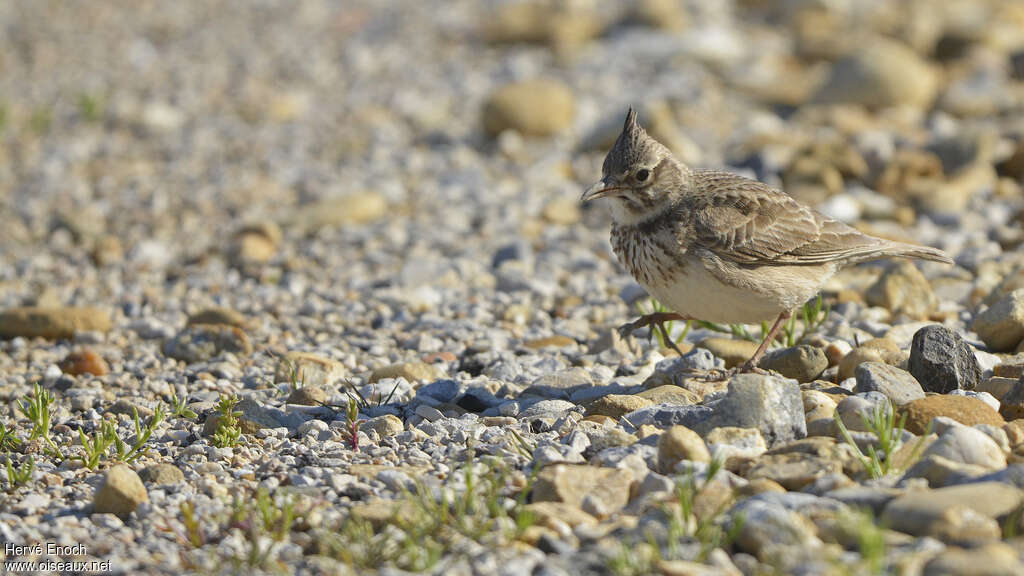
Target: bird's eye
(642,174)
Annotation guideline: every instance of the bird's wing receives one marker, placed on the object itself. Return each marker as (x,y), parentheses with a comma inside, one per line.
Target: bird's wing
(747,222)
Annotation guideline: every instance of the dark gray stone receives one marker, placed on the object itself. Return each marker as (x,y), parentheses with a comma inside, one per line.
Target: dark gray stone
(942,361)
(897,385)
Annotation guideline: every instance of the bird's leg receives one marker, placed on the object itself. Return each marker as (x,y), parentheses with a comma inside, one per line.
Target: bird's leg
(751,365)
(657,320)
(718,375)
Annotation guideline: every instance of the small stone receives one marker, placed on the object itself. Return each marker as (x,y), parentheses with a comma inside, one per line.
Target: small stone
(120,492)
(561,27)
(107,250)
(662,14)
(677,444)
(902,289)
(308,396)
(732,444)
(876,350)
(444,390)
(997,386)
(429,413)
(306,369)
(792,470)
(546,512)
(615,405)
(84,362)
(880,74)
(249,248)
(542,107)
(556,341)
(733,352)
(967,411)
(352,209)
(1001,326)
(801,363)
(560,384)
(770,404)
(385,426)
(564,211)
(570,483)
(670,394)
(768,525)
(218,315)
(1012,404)
(205,341)
(162,474)
(897,385)
(52,323)
(991,559)
(942,361)
(968,446)
(130,408)
(411,371)
(941,512)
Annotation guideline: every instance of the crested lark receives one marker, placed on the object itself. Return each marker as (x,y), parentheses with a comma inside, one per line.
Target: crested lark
(719,247)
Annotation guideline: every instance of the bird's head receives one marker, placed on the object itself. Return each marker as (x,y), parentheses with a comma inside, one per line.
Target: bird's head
(639,176)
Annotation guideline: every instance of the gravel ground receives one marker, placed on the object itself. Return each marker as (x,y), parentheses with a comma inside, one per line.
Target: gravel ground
(305,287)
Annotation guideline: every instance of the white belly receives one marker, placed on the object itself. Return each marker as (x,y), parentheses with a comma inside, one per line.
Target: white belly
(700,295)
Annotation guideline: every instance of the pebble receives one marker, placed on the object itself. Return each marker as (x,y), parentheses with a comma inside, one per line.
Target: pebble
(942,361)
(679,443)
(801,363)
(84,362)
(897,385)
(967,411)
(902,289)
(570,483)
(201,342)
(308,369)
(120,492)
(540,107)
(52,323)
(769,404)
(1001,326)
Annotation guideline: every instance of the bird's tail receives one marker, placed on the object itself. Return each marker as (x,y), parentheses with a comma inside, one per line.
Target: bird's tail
(915,251)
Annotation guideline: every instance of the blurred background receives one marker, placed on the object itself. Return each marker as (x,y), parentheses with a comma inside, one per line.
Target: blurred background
(362,146)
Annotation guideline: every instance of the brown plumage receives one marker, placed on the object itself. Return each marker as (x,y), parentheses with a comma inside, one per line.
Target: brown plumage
(720,247)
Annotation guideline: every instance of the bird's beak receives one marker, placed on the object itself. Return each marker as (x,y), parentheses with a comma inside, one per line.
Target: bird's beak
(599,190)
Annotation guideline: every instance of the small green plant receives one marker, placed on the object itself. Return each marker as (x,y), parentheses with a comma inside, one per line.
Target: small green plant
(632,559)
(229,431)
(352,423)
(870,538)
(352,391)
(37,409)
(193,529)
(21,475)
(94,448)
(41,120)
(91,107)
(685,523)
(180,409)
(426,523)
(142,434)
(8,441)
(888,429)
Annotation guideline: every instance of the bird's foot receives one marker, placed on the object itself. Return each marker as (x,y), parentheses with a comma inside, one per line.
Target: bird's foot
(657,320)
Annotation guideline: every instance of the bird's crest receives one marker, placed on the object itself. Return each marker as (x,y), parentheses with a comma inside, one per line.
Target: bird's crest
(629,146)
